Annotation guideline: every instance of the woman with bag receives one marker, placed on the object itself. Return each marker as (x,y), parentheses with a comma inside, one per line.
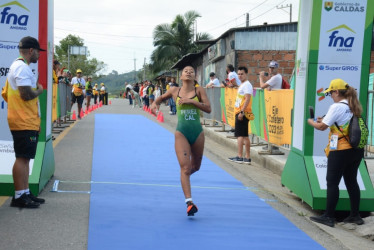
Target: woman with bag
(342,159)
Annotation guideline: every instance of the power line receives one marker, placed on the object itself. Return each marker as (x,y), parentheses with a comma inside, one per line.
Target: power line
(268,10)
(99,34)
(239,16)
(76,21)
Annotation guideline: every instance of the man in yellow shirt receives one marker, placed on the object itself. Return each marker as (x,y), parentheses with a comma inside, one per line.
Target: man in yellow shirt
(24,119)
(77,95)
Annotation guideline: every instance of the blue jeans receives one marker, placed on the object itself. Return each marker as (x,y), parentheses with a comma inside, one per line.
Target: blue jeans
(173,107)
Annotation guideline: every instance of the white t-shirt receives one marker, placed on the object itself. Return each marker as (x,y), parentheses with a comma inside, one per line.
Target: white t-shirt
(339,113)
(215,82)
(245,88)
(77,80)
(20,74)
(157,93)
(233,75)
(275,82)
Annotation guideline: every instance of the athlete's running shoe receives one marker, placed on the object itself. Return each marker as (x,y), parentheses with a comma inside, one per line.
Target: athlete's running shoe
(191,209)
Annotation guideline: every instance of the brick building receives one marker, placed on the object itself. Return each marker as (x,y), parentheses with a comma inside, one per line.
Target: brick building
(253,47)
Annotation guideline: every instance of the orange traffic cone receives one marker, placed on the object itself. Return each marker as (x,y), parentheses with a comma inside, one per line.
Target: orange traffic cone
(82,114)
(161,117)
(86,112)
(74,116)
(110,102)
(158,116)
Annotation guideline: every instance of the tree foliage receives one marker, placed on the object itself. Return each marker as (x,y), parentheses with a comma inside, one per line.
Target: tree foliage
(88,66)
(173,41)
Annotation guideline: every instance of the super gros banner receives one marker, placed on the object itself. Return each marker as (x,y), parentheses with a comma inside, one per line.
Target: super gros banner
(272,110)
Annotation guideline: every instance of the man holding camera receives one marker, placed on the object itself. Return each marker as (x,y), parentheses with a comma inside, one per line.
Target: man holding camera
(274,78)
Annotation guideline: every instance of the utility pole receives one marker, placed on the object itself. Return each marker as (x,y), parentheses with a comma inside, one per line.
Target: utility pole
(288,5)
(134,70)
(247,20)
(144,70)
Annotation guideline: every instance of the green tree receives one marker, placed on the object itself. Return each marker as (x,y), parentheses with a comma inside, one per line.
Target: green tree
(173,41)
(88,66)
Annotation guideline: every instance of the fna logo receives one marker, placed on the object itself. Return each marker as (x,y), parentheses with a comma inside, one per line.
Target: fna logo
(342,42)
(10,16)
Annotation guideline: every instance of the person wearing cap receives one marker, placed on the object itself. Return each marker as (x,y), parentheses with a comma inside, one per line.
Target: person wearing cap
(24,119)
(89,90)
(77,95)
(233,80)
(342,159)
(274,78)
(95,92)
(214,82)
(103,94)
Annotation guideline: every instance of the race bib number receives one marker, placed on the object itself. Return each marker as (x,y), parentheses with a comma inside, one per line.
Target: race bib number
(334,141)
(238,101)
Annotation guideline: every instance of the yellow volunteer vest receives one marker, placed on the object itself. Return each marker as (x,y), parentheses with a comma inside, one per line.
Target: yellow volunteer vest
(94,91)
(342,141)
(77,88)
(22,115)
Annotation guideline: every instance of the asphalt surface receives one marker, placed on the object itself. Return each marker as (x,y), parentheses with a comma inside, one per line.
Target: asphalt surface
(62,223)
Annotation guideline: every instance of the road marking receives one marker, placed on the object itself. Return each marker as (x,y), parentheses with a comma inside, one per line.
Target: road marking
(3,199)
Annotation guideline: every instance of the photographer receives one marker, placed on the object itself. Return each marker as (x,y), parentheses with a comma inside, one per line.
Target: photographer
(274,78)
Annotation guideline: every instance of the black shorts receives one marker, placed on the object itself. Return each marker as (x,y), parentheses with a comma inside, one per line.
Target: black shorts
(241,127)
(78,99)
(25,142)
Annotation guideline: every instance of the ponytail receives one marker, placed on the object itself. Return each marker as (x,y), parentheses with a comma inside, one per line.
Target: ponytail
(354,104)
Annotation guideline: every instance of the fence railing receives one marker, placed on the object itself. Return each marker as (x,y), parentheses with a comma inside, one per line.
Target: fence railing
(272,111)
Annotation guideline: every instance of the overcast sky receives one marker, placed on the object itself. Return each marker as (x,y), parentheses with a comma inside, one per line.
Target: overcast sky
(117,31)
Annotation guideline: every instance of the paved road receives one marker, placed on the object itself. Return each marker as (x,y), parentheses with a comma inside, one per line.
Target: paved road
(62,223)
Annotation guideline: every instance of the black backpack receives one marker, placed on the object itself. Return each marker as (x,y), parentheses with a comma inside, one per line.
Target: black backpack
(358,132)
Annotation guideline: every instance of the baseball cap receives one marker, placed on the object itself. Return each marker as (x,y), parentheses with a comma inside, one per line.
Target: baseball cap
(79,71)
(273,64)
(212,74)
(102,84)
(336,84)
(29,42)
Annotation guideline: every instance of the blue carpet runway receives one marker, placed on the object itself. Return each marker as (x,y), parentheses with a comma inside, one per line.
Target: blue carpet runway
(137,201)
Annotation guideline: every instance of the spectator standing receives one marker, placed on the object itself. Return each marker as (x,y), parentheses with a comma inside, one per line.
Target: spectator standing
(128,93)
(274,78)
(89,91)
(243,113)
(214,82)
(77,96)
(24,119)
(150,90)
(172,104)
(157,92)
(103,94)
(232,77)
(145,94)
(136,88)
(342,159)
(95,92)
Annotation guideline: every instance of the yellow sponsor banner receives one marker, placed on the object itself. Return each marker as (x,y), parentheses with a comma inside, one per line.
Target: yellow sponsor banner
(54,101)
(278,106)
(230,96)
